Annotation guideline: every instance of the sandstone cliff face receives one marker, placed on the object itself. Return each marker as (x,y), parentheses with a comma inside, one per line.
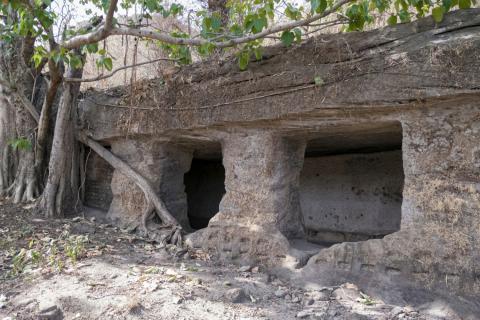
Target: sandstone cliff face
(419,80)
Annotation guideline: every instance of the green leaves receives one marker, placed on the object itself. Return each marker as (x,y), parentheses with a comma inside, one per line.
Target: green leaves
(358,15)
(243,59)
(392,20)
(105,62)
(91,48)
(404,16)
(250,49)
(318,81)
(293,13)
(20,144)
(288,37)
(38,54)
(437,14)
(464,4)
(318,6)
(76,61)
(245,18)
(180,52)
(211,25)
(255,22)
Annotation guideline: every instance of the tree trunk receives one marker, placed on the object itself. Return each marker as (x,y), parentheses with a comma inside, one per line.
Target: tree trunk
(17,70)
(56,72)
(25,185)
(43,131)
(62,186)
(7,134)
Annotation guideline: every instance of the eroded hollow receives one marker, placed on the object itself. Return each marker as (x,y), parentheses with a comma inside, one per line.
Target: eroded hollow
(205,187)
(351,184)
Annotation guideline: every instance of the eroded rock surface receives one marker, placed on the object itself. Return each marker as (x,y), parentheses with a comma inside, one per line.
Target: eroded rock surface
(419,80)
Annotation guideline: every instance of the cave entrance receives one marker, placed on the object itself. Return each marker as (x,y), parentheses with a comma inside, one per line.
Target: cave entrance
(205,187)
(351,183)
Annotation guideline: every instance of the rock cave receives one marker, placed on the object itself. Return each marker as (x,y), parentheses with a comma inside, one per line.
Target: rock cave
(376,166)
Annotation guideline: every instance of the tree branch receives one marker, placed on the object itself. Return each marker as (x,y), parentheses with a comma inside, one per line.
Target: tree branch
(101,77)
(95,36)
(105,31)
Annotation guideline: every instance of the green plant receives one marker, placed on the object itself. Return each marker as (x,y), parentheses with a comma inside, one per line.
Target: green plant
(19,262)
(20,144)
(366,299)
(75,247)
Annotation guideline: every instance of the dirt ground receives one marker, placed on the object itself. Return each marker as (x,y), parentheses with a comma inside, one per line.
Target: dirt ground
(82,269)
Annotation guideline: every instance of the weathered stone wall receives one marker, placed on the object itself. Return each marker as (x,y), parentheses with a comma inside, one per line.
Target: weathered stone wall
(98,191)
(437,245)
(163,165)
(351,196)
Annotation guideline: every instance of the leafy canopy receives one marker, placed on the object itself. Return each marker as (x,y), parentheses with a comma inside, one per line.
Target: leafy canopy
(246,18)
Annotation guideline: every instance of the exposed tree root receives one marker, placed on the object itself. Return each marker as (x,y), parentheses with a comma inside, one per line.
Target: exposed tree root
(25,187)
(170,232)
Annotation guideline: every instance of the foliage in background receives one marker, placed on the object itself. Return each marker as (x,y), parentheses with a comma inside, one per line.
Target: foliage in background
(246,17)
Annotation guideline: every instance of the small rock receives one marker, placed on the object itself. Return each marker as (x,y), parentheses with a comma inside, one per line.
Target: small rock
(396,311)
(170,272)
(245,268)
(113,276)
(309,302)
(3,298)
(255,270)
(304,313)
(280,293)
(236,295)
(3,305)
(320,295)
(227,283)
(408,309)
(47,305)
(151,286)
(295,299)
(50,313)
(177,300)
(288,297)
(76,219)
(93,219)
(277,282)
(25,302)
(347,292)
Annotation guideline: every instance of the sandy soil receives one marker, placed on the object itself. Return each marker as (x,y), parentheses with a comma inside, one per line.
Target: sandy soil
(82,269)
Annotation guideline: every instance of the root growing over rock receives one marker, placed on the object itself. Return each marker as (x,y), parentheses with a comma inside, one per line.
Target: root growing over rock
(170,231)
